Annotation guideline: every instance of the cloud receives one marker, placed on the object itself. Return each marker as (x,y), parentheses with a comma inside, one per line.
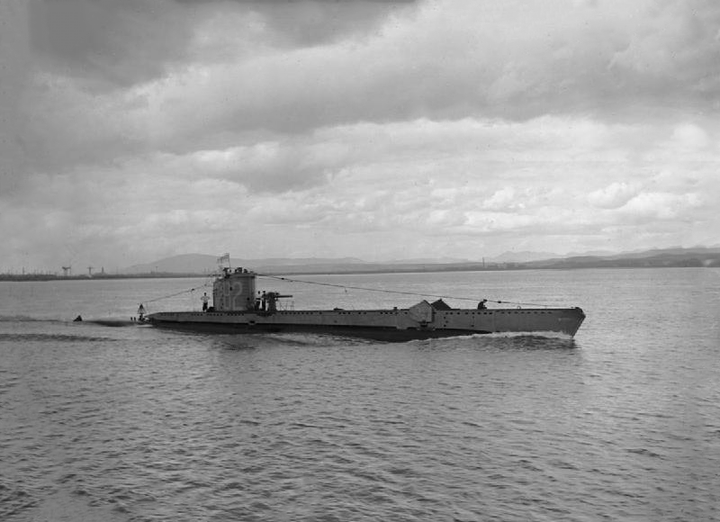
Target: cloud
(675,42)
(614,195)
(307,23)
(217,86)
(14,56)
(109,44)
(658,205)
(486,185)
(115,44)
(134,129)
(274,166)
(691,137)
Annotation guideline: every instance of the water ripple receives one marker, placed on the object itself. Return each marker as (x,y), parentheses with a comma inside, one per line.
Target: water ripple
(137,425)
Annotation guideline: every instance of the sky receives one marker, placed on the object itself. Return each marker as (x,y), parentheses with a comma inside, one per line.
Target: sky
(399,129)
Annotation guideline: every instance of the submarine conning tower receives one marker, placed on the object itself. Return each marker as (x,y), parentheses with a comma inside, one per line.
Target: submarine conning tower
(234,290)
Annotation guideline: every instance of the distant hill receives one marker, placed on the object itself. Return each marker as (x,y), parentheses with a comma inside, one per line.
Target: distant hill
(656,258)
(428,260)
(183,264)
(522,256)
(207,264)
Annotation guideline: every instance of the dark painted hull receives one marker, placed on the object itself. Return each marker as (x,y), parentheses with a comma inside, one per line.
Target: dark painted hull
(380,325)
(384,334)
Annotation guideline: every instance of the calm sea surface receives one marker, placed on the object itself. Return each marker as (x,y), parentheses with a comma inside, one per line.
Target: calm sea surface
(133,423)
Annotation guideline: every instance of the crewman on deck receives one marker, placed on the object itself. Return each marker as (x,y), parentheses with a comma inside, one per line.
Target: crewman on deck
(205,299)
(481,305)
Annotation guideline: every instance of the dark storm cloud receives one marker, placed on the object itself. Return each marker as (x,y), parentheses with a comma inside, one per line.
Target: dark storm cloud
(497,62)
(312,22)
(125,42)
(118,43)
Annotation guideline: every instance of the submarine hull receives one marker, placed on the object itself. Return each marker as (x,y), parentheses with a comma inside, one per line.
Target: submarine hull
(418,322)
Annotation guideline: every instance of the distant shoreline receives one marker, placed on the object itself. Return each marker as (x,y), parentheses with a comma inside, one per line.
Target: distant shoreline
(384,269)
(97,277)
(204,265)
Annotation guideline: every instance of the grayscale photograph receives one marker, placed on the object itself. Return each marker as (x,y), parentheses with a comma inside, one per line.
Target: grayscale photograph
(359,260)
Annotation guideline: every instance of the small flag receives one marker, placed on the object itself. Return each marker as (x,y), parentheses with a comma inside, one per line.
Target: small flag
(224,258)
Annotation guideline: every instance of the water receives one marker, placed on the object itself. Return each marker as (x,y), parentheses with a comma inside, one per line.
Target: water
(139,424)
